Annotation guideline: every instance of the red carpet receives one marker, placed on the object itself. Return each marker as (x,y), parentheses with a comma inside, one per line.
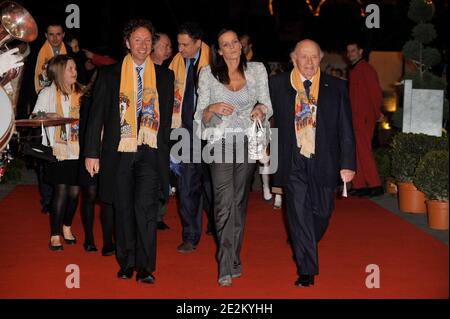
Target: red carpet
(412,264)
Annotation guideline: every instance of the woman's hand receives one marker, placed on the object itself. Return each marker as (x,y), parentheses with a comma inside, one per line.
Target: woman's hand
(220,108)
(92,165)
(259,112)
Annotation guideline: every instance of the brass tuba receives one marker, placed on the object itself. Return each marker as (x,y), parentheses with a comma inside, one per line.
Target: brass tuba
(16,24)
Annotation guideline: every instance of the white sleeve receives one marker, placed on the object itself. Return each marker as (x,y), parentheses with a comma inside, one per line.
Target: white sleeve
(43,101)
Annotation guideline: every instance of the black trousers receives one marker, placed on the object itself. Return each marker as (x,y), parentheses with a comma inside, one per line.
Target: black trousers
(231,185)
(309,207)
(136,207)
(195,193)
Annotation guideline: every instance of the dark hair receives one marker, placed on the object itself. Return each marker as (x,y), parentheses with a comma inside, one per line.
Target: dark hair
(158,36)
(192,29)
(245,35)
(135,24)
(219,68)
(54,24)
(358,43)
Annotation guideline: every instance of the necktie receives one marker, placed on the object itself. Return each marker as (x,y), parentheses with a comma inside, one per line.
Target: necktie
(188,107)
(139,95)
(307,85)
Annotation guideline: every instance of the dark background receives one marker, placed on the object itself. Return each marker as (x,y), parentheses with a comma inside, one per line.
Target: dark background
(274,36)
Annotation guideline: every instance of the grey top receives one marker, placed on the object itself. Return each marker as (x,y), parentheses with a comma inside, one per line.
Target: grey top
(211,91)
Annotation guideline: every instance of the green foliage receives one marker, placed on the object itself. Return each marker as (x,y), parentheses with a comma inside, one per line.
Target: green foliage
(411,50)
(431,57)
(382,158)
(13,171)
(419,11)
(432,175)
(424,33)
(428,81)
(408,149)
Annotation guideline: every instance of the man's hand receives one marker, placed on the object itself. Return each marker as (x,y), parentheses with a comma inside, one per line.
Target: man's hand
(92,165)
(347,175)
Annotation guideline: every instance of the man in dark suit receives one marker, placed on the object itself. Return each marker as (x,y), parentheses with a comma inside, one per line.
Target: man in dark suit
(313,117)
(132,179)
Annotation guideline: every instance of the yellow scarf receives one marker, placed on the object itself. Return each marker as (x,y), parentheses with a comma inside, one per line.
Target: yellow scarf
(66,143)
(179,68)
(149,125)
(305,112)
(45,54)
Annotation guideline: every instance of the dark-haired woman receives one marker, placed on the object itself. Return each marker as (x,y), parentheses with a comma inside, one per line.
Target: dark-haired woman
(232,93)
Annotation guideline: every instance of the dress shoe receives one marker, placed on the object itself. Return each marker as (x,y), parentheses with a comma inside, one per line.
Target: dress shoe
(267,194)
(277,202)
(162,225)
(354,191)
(305,281)
(70,241)
(55,248)
(108,251)
(125,273)
(145,277)
(225,281)
(186,247)
(376,191)
(90,248)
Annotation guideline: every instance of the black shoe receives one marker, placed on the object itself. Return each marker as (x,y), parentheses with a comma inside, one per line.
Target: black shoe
(70,241)
(376,191)
(145,277)
(108,251)
(186,247)
(162,225)
(55,248)
(126,273)
(90,248)
(304,281)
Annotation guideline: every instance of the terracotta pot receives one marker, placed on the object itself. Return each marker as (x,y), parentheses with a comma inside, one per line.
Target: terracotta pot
(391,187)
(410,199)
(437,214)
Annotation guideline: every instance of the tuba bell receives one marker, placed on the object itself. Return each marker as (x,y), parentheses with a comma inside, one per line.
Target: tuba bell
(16,24)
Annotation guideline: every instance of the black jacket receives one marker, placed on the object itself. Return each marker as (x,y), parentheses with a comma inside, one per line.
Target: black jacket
(104,113)
(335,143)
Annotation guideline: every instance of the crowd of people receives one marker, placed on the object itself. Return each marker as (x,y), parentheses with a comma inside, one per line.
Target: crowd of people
(119,150)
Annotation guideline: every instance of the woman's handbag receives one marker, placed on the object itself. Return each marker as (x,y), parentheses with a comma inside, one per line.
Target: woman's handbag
(40,151)
(257,141)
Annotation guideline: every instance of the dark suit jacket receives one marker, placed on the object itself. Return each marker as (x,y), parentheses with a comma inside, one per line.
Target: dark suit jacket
(335,143)
(104,113)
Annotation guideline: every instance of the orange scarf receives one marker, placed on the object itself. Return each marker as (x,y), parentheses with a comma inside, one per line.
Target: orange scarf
(305,112)
(130,138)
(179,68)
(66,143)
(40,74)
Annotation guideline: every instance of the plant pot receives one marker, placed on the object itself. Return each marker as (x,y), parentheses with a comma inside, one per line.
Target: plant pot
(410,199)
(437,214)
(391,187)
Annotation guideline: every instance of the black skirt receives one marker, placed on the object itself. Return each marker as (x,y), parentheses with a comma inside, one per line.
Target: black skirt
(62,172)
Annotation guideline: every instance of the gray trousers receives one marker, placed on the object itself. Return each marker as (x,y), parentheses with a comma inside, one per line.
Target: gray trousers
(231,186)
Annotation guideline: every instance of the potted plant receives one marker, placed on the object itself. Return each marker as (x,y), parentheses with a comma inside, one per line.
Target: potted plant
(422,88)
(382,158)
(407,150)
(432,179)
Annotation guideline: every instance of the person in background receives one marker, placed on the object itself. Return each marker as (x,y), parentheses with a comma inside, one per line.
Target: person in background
(161,53)
(195,191)
(313,116)
(232,94)
(366,98)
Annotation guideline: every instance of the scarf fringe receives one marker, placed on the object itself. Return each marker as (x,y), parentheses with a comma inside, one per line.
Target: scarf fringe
(127,145)
(147,137)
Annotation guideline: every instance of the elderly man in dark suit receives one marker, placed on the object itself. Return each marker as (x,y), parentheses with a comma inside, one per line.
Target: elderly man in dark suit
(313,117)
(132,157)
